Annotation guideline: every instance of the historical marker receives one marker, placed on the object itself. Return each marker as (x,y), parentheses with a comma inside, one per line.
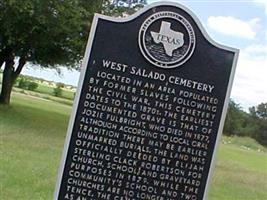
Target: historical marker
(149,110)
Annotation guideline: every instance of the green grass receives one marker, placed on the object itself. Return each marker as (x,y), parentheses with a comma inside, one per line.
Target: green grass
(46,89)
(241,172)
(49,90)
(44,96)
(32,134)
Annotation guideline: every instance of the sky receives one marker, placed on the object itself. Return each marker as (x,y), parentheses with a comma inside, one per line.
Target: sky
(241,24)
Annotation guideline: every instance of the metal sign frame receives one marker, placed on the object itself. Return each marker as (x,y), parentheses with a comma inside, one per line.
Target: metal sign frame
(84,68)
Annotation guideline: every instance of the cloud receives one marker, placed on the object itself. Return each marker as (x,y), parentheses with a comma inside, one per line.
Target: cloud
(256,52)
(249,88)
(234,27)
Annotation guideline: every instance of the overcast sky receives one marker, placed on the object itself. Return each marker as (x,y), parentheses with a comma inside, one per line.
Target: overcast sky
(240,24)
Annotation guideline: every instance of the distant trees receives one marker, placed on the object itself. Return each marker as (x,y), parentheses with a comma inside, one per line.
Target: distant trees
(259,121)
(234,119)
(259,111)
(252,124)
(57,91)
(25,83)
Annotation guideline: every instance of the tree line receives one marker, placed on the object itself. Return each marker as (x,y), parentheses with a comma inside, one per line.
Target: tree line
(252,124)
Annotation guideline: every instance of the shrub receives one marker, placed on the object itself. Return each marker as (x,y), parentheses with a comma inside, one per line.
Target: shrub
(32,86)
(22,83)
(58,90)
(26,84)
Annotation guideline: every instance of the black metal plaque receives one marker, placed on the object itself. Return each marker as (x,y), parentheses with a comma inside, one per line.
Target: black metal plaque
(149,109)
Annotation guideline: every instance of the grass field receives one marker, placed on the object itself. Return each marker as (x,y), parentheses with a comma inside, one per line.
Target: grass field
(32,134)
(46,89)
(44,96)
(49,90)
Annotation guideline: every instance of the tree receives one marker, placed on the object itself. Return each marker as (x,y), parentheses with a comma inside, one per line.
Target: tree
(48,33)
(120,8)
(259,111)
(32,86)
(234,119)
(259,120)
(252,124)
(58,90)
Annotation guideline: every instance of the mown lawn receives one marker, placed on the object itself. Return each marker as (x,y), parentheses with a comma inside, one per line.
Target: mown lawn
(45,89)
(241,171)
(32,132)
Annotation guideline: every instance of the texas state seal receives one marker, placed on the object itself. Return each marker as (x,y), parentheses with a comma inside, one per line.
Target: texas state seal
(167,39)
